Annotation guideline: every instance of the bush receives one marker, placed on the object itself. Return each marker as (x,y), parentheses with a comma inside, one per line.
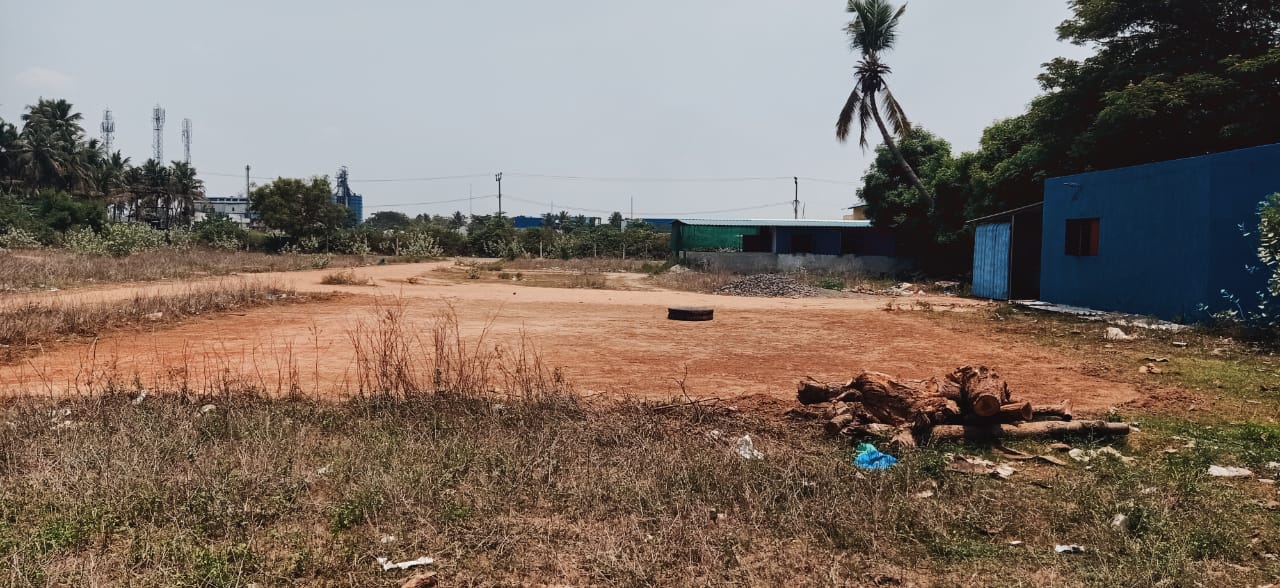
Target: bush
(129,238)
(419,244)
(16,238)
(85,242)
(119,239)
(218,230)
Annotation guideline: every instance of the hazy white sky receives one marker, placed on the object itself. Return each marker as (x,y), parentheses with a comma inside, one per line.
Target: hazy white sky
(659,89)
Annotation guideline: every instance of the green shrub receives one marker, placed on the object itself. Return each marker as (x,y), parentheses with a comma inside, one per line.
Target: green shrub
(128,238)
(16,238)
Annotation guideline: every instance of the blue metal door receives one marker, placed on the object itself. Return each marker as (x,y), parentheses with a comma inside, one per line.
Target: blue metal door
(991,261)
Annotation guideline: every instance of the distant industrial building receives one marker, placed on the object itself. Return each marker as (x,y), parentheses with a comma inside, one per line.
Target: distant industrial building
(770,245)
(1160,239)
(234,207)
(343,195)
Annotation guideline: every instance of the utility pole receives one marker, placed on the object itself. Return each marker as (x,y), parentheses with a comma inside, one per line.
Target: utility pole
(795,204)
(498,177)
(246,181)
(470,211)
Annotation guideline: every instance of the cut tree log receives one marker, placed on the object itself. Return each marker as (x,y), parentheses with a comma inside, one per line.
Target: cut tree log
(1033,429)
(1052,411)
(1014,412)
(894,402)
(814,392)
(983,390)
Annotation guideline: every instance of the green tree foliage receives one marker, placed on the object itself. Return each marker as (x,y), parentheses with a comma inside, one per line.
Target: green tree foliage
(388,220)
(298,208)
(892,201)
(1169,79)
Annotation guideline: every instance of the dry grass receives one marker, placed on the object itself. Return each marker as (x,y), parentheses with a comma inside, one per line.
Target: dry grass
(581,265)
(43,269)
(704,281)
(26,325)
(548,489)
(480,456)
(345,278)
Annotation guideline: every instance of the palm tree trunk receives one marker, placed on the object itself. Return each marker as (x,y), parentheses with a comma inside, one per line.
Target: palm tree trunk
(902,161)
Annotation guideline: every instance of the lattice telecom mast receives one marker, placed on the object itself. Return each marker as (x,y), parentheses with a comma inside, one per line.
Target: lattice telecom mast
(186,140)
(108,130)
(157,125)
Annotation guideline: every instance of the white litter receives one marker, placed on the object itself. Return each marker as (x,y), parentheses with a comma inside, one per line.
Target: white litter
(746,449)
(1015,543)
(142,395)
(1229,472)
(325,469)
(1068,549)
(206,409)
(1084,456)
(1272,465)
(1115,334)
(388,565)
(386,539)
(1119,521)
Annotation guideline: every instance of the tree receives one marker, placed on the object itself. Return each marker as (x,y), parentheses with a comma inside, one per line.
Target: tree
(873,31)
(299,208)
(184,190)
(45,154)
(615,219)
(387,220)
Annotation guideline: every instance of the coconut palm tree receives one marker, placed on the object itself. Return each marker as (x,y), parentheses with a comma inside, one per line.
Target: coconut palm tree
(873,31)
(185,190)
(46,153)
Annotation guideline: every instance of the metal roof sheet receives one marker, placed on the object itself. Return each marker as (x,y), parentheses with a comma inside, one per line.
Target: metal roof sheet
(805,223)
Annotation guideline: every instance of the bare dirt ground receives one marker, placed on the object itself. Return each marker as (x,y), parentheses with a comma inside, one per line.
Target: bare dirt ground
(606,341)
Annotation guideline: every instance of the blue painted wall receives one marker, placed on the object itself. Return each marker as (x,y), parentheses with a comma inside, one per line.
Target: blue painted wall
(1169,233)
(991,261)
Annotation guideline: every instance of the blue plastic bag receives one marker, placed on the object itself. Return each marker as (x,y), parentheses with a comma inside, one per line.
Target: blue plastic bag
(870,458)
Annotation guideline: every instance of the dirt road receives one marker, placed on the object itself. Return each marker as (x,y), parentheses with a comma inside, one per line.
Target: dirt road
(604,340)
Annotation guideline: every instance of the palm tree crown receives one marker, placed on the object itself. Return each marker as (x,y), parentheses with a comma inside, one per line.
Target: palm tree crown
(873,31)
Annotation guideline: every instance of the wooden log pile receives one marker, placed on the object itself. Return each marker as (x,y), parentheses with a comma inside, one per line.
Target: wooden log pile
(970,402)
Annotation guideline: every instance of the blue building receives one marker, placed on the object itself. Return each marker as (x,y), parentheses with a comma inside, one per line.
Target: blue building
(343,195)
(1160,239)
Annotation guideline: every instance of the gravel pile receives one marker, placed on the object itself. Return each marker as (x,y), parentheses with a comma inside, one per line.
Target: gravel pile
(769,286)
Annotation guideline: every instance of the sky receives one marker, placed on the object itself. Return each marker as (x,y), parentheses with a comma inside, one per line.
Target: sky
(616,99)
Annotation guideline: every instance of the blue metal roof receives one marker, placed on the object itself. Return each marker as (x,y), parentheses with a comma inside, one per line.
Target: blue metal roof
(797,223)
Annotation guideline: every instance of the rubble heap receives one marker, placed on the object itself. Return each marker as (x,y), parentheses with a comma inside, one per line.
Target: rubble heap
(970,402)
(769,285)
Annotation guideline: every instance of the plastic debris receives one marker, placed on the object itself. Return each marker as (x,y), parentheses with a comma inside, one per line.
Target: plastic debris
(1157,359)
(388,565)
(385,539)
(153,316)
(1272,465)
(1068,549)
(1119,521)
(870,458)
(1085,456)
(1015,543)
(1115,334)
(1179,343)
(746,449)
(206,409)
(1229,472)
(142,395)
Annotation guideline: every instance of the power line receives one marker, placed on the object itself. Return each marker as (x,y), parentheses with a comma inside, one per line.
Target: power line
(580,178)
(430,203)
(652,214)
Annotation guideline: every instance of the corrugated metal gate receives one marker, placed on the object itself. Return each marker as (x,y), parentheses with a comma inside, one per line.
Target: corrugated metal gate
(991,261)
